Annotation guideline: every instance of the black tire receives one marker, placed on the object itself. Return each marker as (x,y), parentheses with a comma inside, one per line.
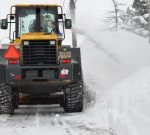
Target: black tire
(73,97)
(6,99)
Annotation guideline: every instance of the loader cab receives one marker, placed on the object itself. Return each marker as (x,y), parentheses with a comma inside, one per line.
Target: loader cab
(24,19)
(36,19)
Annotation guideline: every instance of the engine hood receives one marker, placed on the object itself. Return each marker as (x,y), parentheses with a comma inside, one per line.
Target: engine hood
(38,36)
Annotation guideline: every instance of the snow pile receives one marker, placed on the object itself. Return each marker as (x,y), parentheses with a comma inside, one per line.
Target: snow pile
(120,92)
(125,105)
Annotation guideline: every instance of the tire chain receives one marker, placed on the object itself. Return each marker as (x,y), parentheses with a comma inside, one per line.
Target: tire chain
(73,99)
(6,99)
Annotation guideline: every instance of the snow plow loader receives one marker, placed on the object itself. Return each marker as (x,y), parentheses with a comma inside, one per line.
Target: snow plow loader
(35,63)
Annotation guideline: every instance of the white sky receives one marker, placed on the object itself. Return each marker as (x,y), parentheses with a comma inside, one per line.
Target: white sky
(85,8)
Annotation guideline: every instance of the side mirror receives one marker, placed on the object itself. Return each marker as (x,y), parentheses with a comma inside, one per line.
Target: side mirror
(68,23)
(60,16)
(12,17)
(3,24)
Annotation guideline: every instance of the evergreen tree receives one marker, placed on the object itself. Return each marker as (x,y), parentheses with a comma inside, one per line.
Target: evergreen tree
(141,7)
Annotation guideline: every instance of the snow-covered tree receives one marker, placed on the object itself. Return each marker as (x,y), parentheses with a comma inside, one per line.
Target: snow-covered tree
(141,6)
(137,18)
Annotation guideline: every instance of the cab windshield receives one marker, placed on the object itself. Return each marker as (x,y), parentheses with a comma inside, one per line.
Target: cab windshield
(36,20)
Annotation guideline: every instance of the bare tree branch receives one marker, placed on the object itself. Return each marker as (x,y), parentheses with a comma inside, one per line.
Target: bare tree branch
(114,15)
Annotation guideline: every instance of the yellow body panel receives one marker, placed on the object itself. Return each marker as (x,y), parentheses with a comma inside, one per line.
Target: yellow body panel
(36,36)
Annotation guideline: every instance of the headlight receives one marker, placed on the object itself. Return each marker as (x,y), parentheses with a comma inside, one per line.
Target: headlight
(52,42)
(26,43)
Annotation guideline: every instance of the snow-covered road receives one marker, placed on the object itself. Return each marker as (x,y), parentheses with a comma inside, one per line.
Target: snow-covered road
(48,120)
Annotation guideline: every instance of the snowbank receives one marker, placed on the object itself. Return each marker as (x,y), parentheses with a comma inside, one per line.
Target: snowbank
(125,106)
(121,92)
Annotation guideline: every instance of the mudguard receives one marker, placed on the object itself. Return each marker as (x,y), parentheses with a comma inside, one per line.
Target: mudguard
(2,73)
(3,64)
(76,54)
